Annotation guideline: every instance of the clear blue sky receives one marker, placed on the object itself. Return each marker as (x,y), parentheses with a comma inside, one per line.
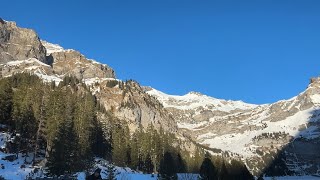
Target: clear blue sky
(257,51)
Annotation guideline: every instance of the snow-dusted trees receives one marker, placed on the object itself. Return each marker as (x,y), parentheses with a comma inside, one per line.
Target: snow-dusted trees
(59,120)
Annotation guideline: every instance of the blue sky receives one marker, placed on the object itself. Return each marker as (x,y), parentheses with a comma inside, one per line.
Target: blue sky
(257,51)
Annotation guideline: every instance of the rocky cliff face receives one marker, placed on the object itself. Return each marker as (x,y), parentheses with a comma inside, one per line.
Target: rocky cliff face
(22,51)
(128,101)
(71,62)
(255,133)
(19,43)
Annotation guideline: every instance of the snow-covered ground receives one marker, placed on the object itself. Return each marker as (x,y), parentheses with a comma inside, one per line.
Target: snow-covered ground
(238,143)
(12,170)
(19,170)
(293,178)
(51,48)
(27,61)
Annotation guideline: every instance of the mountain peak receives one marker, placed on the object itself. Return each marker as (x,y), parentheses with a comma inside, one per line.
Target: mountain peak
(195,93)
(194,100)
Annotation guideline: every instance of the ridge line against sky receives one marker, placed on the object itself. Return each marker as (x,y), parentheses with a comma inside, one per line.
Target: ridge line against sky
(255,51)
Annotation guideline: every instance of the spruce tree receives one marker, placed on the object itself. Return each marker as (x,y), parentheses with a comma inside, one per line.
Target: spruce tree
(63,157)
(120,144)
(181,164)
(167,167)
(207,170)
(148,165)
(6,98)
(238,170)
(223,174)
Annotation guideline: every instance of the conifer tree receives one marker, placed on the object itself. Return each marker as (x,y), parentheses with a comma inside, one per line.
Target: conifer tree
(63,157)
(148,165)
(237,170)
(223,174)
(167,167)
(6,98)
(39,107)
(55,115)
(25,123)
(120,144)
(84,118)
(207,170)
(181,164)
(101,147)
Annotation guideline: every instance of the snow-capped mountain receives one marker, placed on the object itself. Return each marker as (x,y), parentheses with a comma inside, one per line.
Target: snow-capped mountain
(255,133)
(195,100)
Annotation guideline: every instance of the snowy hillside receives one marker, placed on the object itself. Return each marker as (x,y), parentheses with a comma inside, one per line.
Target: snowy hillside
(250,131)
(195,100)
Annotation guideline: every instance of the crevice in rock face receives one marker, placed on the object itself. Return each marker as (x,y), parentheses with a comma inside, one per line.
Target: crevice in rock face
(49,60)
(2,21)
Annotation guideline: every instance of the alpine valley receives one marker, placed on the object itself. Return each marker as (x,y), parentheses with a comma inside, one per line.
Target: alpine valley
(282,138)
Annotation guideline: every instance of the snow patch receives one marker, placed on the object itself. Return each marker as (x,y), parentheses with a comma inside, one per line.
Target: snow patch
(315,98)
(51,48)
(190,125)
(28,61)
(239,142)
(48,78)
(91,81)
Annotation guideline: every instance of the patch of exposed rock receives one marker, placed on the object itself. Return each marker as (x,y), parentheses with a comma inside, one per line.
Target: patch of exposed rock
(72,63)
(19,43)
(128,101)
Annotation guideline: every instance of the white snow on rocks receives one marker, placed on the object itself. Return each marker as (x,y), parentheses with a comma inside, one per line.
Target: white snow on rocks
(194,100)
(27,61)
(315,98)
(51,48)
(239,143)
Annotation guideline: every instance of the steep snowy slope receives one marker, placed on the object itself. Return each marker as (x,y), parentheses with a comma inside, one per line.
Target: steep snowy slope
(195,100)
(252,132)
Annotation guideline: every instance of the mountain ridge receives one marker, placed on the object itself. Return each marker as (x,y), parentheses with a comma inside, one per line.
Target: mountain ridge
(262,129)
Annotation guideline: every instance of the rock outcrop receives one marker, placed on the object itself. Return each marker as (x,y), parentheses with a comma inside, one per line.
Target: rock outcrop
(72,63)
(19,43)
(128,101)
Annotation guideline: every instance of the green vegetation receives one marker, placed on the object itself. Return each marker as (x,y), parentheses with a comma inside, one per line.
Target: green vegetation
(71,127)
